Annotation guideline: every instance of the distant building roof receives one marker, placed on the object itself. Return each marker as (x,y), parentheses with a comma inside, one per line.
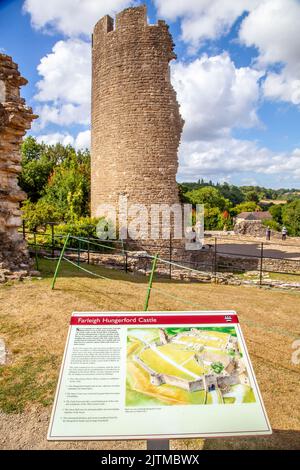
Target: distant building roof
(255,215)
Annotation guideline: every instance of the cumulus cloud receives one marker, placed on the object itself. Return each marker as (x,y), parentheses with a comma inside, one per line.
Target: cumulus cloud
(71,17)
(215,96)
(56,137)
(83,140)
(204,19)
(228,157)
(273,28)
(80,142)
(65,84)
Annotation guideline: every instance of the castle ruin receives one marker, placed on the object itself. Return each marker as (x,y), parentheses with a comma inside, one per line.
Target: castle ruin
(15,119)
(136,124)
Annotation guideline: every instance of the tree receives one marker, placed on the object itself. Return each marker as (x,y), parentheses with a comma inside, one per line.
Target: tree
(40,213)
(231,192)
(291,217)
(208,196)
(213,218)
(68,188)
(245,207)
(56,179)
(252,196)
(217,367)
(36,168)
(276,212)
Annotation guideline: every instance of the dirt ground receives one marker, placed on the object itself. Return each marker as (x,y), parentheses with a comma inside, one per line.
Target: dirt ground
(275,249)
(34,323)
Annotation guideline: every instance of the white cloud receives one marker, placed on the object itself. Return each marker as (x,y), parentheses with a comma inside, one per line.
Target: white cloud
(229,157)
(71,17)
(273,28)
(80,142)
(284,86)
(83,140)
(204,19)
(62,115)
(215,96)
(55,138)
(65,84)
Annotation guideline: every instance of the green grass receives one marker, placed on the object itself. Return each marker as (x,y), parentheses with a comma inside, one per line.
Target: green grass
(285,277)
(27,382)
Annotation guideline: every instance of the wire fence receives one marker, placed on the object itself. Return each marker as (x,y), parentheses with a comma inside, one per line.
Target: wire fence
(218,256)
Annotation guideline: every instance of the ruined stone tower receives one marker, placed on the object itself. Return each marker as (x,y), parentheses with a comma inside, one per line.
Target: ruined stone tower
(136,124)
(15,119)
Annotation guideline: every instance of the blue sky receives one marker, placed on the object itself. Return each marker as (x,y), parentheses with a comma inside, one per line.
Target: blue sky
(237,78)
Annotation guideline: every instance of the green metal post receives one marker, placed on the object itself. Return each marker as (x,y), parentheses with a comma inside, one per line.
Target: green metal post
(78,252)
(59,261)
(150,282)
(35,252)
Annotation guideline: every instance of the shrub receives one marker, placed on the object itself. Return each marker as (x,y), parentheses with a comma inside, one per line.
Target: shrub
(272,224)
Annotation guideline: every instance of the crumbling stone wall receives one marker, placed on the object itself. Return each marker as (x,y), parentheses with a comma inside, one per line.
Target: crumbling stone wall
(15,119)
(136,124)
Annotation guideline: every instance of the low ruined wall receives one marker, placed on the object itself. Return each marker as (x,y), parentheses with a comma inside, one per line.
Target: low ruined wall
(235,264)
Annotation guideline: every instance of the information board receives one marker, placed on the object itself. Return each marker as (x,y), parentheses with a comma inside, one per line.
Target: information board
(137,375)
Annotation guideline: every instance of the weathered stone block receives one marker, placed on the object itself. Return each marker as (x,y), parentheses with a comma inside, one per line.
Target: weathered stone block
(15,119)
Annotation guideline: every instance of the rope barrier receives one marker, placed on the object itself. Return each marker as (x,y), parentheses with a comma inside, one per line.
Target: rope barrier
(86,270)
(98,275)
(150,287)
(176,297)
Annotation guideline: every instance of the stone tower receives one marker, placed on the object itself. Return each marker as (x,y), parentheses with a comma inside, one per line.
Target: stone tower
(136,124)
(15,119)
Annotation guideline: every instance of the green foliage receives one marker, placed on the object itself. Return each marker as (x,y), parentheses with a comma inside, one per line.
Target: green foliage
(291,217)
(252,196)
(40,213)
(209,196)
(276,213)
(217,367)
(68,189)
(231,192)
(272,224)
(57,181)
(231,352)
(36,168)
(84,227)
(249,206)
(213,219)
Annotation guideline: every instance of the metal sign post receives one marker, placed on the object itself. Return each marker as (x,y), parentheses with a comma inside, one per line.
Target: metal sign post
(158,444)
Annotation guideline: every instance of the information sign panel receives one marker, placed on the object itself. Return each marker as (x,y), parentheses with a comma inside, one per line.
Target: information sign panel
(137,375)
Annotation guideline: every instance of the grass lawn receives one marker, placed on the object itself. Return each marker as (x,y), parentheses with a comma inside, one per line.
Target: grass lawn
(34,323)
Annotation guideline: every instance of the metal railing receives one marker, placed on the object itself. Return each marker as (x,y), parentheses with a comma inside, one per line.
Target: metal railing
(214,259)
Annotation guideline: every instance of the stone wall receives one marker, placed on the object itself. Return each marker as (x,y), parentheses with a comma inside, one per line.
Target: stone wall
(136,124)
(15,119)
(254,228)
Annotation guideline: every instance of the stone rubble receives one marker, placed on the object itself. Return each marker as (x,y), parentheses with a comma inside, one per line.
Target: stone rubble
(15,120)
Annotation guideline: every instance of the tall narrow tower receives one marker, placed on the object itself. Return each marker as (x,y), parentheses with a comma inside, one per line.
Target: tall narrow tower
(136,124)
